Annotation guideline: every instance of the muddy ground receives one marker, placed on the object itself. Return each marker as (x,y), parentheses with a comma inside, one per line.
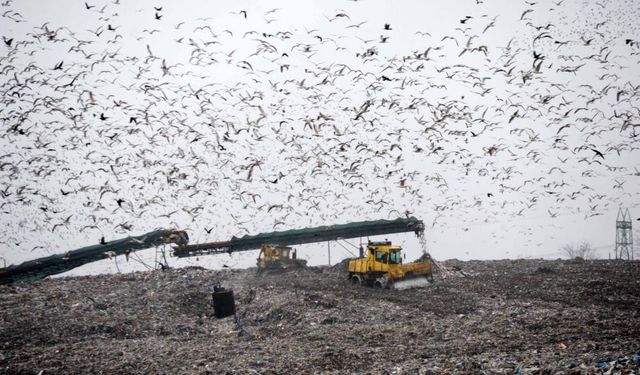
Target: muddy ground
(510,316)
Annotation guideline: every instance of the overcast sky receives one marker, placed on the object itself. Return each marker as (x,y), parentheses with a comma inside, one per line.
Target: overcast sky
(509,127)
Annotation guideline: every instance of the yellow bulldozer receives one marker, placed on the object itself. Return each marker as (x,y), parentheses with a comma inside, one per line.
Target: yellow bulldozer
(275,258)
(382,267)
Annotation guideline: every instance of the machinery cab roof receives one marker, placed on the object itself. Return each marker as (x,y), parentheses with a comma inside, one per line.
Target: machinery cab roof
(383,246)
(275,251)
(385,252)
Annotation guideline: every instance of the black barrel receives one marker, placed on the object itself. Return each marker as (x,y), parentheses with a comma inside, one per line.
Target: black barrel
(223,303)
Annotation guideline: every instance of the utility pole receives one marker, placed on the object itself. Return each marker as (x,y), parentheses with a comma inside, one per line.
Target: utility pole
(624,235)
(329,251)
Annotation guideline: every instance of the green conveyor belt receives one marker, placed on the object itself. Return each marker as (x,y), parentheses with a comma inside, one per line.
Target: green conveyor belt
(305,235)
(42,267)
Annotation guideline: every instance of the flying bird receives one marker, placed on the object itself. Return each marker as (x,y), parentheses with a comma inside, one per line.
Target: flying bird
(597,153)
(525,13)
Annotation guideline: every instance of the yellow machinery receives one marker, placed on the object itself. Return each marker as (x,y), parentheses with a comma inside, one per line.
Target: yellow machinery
(382,267)
(278,258)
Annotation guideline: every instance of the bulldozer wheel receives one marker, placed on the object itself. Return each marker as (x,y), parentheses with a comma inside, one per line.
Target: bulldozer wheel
(378,284)
(356,280)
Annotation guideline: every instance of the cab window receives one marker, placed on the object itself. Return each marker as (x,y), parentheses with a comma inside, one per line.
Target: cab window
(395,258)
(381,257)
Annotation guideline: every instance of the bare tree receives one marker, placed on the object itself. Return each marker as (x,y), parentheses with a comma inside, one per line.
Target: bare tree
(583,250)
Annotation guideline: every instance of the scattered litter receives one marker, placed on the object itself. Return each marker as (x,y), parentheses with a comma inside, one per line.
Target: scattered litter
(310,322)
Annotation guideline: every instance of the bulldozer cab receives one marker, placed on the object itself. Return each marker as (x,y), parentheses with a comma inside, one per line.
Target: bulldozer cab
(275,252)
(385,252)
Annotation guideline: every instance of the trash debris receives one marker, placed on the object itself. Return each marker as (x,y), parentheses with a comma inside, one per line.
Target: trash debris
(503,317)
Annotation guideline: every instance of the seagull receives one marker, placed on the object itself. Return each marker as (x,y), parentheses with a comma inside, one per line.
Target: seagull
(356,25)
(64,223)
(597,153)
(525,13)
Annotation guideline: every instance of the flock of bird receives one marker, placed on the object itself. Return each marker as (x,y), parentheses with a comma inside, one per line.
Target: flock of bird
(244,124)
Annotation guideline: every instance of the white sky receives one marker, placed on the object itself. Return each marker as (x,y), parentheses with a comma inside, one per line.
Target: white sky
(294,80)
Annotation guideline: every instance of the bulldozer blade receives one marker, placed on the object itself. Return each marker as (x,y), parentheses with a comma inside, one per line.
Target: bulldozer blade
(417,282)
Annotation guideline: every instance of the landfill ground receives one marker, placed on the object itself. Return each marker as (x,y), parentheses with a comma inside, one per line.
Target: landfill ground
(507,316)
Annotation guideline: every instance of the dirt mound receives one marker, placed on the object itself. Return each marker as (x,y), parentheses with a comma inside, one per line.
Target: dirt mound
(527,316)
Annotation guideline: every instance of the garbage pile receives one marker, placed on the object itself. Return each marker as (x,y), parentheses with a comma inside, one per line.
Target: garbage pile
(482,317)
